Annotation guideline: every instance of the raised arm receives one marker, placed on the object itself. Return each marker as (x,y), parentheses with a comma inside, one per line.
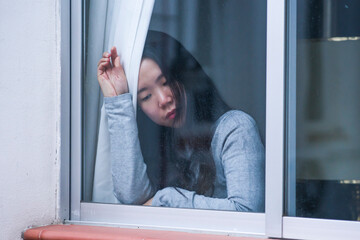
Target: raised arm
(130,180)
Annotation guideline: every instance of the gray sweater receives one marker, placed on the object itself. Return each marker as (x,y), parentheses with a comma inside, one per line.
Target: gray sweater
(237,152)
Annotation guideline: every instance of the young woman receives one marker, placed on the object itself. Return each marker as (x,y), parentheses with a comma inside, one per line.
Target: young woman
(208,157)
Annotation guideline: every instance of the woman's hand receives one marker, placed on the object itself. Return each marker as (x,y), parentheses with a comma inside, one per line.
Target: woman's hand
(111,75)
(148,203)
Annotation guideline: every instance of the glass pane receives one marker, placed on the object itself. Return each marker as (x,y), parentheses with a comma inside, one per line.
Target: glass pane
(324,131)
(198,137)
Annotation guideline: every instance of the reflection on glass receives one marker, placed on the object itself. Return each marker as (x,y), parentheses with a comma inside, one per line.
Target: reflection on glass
(327,111)
(190,146)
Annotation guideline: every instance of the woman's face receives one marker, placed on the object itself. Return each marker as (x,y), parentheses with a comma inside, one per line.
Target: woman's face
(154,94)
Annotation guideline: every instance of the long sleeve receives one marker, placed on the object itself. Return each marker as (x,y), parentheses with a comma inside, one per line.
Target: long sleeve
(181,198)
(243,159)
(131,182)
(237,147)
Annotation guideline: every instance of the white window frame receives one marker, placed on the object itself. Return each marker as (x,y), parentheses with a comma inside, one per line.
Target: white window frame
(65,122)
(272,223)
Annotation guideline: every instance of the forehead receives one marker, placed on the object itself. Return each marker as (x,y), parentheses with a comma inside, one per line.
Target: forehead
(149,72)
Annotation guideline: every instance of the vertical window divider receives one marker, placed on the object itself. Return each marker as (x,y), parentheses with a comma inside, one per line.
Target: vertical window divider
(64,196)
(76,108)
(275,63)
(290,123)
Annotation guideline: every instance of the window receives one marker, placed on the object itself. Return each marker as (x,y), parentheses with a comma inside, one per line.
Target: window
(327,152)
(323,150)
(280,130)
(197,150)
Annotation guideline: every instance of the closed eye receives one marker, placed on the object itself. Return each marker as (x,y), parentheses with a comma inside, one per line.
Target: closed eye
(147,97)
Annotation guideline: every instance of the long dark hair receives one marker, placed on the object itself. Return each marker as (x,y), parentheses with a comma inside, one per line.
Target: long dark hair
(184,157)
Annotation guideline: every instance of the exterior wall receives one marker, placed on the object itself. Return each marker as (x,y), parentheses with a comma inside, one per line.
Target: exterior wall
(30,113)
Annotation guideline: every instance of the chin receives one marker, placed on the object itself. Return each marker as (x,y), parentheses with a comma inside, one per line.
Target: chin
(164,124)
(168,124)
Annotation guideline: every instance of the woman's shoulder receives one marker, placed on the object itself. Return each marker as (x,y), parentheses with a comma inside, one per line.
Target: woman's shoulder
(234,119)
(233,123)
(233,128)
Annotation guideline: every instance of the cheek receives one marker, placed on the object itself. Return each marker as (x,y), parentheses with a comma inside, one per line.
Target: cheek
(151,111)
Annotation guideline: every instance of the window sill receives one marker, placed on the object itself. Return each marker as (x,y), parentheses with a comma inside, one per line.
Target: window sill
(82,232)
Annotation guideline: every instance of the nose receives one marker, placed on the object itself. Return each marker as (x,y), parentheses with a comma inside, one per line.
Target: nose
(164,99)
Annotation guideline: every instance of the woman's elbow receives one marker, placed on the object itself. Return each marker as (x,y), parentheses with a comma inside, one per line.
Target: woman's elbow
(132,197)
(253,206)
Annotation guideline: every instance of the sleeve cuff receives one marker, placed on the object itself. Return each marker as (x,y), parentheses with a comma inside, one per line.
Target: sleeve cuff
(118,98)
(171,197)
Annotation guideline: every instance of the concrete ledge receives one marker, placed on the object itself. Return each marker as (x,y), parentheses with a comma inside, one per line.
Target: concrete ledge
(82,232)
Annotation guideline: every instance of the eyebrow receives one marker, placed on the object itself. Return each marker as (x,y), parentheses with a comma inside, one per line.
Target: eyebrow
(156,81)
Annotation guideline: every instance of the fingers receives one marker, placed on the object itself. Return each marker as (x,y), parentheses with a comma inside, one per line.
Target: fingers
(106,55)
(104,59)
(101,69)
(115,59)
(113,53)
(103,64)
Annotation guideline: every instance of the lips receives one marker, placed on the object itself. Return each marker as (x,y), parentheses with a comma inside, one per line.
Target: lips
(171,114)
